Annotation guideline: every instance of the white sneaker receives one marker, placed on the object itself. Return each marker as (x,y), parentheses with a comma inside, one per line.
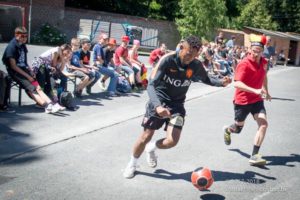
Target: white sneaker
(102,85)
(61,108)
(151,159)
(48,109)
(55,108)
(129,171)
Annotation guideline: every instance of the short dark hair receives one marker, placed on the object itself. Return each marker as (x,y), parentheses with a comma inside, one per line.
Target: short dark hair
(84,41)
(194,42)
(20,30)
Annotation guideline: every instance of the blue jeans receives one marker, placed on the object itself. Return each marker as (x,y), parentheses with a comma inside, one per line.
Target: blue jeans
(127,69)
(113,77)
(225,67)
(96,75)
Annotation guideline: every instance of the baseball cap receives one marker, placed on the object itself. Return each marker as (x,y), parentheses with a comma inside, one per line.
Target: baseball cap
(136,42)
(125,38)
(112,41)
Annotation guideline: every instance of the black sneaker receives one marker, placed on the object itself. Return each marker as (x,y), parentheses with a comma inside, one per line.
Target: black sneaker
(77,94)
(89,89)
(6,109)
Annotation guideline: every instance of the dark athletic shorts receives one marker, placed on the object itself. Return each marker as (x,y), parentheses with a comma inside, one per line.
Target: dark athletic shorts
(153,121)
(241,111)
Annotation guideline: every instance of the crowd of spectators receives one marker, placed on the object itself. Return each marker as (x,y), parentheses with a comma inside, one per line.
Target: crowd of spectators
(46,77)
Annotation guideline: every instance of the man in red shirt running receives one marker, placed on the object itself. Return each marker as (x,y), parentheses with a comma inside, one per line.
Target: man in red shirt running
(251,86)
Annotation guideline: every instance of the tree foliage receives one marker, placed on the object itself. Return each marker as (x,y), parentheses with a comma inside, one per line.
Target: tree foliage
(157,9)
(201,17)
(255,14)
(286,13)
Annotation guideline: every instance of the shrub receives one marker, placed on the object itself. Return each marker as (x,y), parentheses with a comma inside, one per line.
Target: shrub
(48,35)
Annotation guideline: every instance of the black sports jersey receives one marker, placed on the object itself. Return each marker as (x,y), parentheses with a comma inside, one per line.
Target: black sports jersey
(85,57)
(171,80)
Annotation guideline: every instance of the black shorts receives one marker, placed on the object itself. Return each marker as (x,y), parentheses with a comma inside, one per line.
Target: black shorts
(22,80)
(153,121)
(241,111)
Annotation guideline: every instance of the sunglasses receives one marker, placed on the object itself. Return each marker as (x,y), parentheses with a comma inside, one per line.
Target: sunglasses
(23,35)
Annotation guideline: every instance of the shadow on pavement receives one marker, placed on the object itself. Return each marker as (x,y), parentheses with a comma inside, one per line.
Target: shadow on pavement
(212,197)
(274,160)
(5,179)
(13,143)
(282,99)
(247,176)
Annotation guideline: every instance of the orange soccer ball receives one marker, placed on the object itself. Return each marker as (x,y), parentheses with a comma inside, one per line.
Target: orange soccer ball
(202,179)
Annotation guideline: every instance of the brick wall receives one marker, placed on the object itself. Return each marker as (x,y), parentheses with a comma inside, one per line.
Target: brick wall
(67,19)
(50,11)
(167,31)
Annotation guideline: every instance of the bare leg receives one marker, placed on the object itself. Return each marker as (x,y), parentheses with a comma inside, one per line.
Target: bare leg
(140,144)
(41,98)
(262,123)
(83,83)
(173,136)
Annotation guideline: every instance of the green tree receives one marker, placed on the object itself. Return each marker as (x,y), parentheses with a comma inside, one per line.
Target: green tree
(286,13)
(157,9)
(201,17)
(256,14)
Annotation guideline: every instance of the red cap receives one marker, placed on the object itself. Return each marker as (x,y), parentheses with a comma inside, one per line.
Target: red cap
(112,41)
(125,38)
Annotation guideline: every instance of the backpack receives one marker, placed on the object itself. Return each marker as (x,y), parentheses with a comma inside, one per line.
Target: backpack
(123,85)
(66,99)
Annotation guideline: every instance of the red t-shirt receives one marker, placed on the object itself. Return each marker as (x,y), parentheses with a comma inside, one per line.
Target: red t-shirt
(253,75)
(120,52)
(155,55)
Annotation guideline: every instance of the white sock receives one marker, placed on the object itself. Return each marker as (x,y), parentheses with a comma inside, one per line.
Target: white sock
(133,161)
(151,146)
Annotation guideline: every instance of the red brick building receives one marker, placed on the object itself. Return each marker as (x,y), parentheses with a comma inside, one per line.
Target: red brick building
(289,43)
(33,13)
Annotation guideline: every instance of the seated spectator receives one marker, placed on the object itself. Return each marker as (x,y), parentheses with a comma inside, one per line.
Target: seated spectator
(156,54)
(76,69)
(136,63)
(15,60)
(220,56)
(230,43)
(84,59)
(102,60)
(48,68)
(281,57)
(122,62)
(219,40)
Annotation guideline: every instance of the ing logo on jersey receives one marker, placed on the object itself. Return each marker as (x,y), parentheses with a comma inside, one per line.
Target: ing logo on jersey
(176,82)
(189,73)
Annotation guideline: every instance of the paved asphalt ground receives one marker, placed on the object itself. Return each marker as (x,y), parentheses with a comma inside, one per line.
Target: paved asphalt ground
(80,155)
